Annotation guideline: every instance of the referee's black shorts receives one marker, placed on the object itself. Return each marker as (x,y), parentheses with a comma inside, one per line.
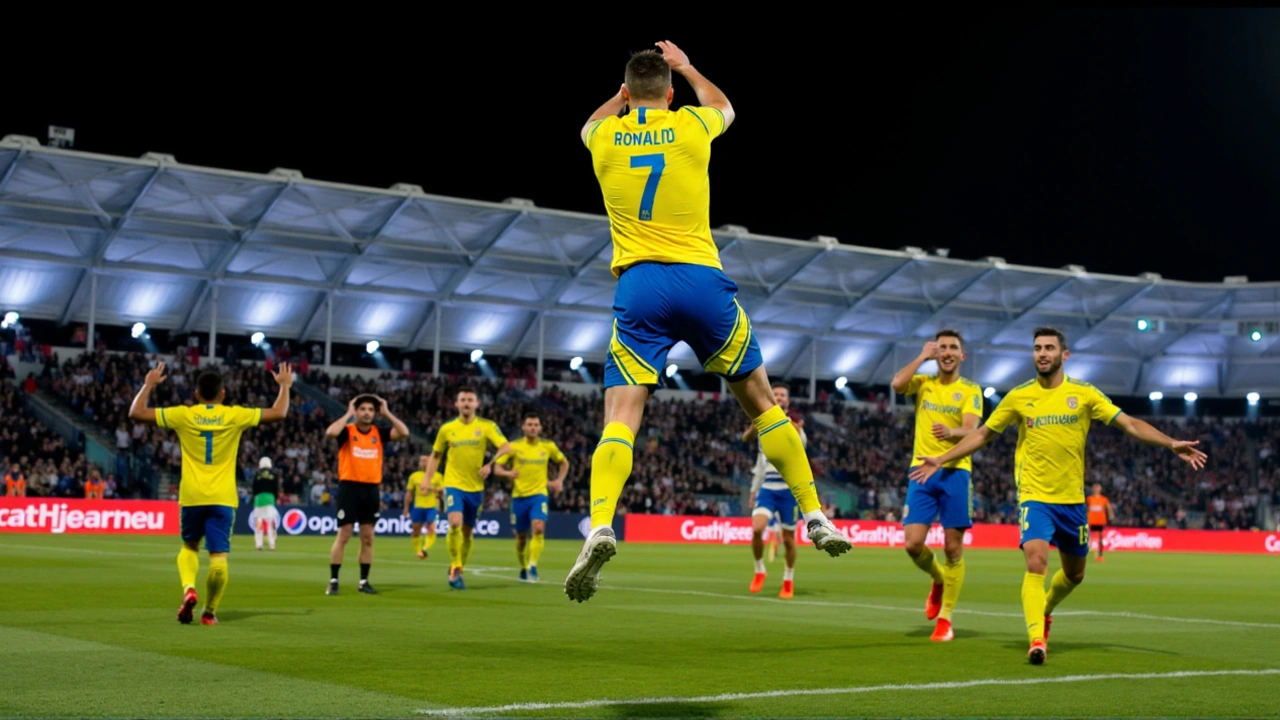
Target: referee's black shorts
(358,502)
(1097,529)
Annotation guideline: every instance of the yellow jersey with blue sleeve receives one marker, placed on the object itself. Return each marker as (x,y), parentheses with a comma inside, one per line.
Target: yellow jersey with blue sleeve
(210,439)
(652,166)
(466,445)
(419,498)
(1053,425)
(531,460)
(945,403)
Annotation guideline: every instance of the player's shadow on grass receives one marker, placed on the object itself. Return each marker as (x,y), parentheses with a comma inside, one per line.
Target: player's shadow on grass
(1067,648)
(234,615)
(669,710)
(960,633)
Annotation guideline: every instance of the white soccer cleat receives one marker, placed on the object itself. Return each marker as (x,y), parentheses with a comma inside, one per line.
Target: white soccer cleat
(584,578)
(826,537)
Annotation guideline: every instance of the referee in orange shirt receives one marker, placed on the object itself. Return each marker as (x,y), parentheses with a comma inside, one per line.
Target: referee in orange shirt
(361,449)
(1100,513)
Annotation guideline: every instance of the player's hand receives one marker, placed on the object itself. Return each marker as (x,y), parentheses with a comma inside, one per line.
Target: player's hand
(751,501)
(675,57)
(930,350)
(351,408)
(922,473)
(942,432)
(382,405)
(556,486)
(485,470)
(406,512)
(155,375)
(285,377)
(1186,449)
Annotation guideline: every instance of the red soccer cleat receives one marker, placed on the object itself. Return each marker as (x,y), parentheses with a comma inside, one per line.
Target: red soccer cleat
(1037,652)
(942,633)
(933,605)
(757,583)
(787,591)
(208,618)
(189,601)
(1047,622)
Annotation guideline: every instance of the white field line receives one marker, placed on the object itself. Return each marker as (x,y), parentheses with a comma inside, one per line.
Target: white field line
(731,697)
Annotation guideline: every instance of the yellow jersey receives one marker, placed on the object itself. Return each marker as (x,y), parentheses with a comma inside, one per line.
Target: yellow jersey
(427,500)
(467,444)
(210,439)
(1052,428)
(652,167)
(946,404)
(531,459)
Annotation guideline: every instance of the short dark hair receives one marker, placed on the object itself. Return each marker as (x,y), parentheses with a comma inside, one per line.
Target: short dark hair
(209,385)
(947,332)
(1047,331)
(464,389)
(781,384)
(648,75)
(362,399)
(533,415)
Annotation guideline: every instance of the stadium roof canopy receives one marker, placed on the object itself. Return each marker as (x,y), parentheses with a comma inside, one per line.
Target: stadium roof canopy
(151,240)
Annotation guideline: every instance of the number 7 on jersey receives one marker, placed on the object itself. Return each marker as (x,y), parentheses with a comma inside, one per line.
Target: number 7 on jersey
(656,164)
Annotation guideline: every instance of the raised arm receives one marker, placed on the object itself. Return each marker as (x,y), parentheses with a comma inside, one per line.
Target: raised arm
(277,412)
(335,429)
(399,430)
(612,106)
(1142,430)
(902,379)
(138,411)
(708,94)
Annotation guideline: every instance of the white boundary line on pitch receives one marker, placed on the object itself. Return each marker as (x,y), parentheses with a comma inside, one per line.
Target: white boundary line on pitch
(487,572)
(730,697)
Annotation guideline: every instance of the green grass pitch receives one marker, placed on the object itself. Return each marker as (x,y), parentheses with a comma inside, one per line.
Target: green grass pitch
(87,628)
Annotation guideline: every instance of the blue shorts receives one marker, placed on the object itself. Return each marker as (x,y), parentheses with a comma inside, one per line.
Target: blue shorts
(524,510)
(422,516)
(945,498)
(211,523)
(1065,527)
(467,503)
(657,305)
(781,502)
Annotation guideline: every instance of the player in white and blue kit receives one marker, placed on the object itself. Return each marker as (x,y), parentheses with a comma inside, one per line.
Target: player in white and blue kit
(772,498)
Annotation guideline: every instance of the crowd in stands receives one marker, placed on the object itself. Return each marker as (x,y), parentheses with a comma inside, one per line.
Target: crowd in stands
(37,462)
(689,456)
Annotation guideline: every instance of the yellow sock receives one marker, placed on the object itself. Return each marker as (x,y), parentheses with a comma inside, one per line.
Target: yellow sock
(466,549)
(1033,605)
(953,573)
(610,468)
(928,563)
(1059,588)
(454,541)
(417,544)
(522,554)
(188,566)
(429,537)
(781,444)
(217,582)
(535,548)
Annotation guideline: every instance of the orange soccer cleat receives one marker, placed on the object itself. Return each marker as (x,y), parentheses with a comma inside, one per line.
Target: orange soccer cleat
(788,591)
(757,583)
(942,633)
(208,618)
(185,610)
(1037,652)
(933,605)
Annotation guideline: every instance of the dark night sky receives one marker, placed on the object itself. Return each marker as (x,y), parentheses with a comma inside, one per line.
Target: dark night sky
(1124,141)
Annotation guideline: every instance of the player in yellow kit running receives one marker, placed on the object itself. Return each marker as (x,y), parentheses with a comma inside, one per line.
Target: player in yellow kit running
(652,165)
(209,435)
(1053,414)
(530,457)
(421,504)
(948,408)
(467,439)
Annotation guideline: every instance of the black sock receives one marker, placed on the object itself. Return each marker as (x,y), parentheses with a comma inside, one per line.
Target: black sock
(364,572)
(333,571)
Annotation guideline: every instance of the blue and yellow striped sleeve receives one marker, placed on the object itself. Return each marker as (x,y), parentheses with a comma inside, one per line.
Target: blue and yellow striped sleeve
(710,118)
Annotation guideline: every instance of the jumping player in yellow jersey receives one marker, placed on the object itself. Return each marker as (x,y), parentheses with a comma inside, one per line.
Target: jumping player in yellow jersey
(530,457)
(467,439)
(948,408)
(652,165)
(209,434)
(421,503)
(1053,414)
